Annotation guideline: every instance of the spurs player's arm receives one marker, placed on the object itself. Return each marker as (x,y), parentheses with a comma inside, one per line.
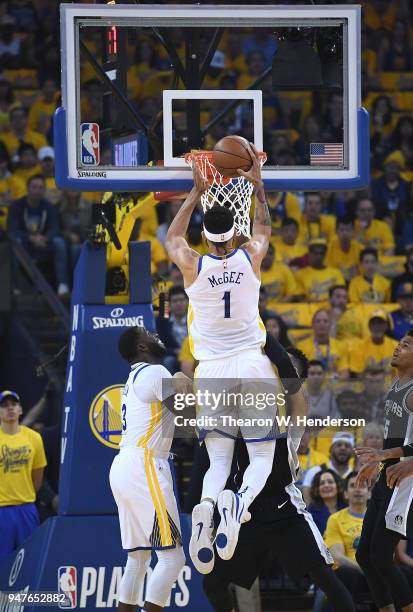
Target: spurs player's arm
(176,246)
(399,471)
(261,226)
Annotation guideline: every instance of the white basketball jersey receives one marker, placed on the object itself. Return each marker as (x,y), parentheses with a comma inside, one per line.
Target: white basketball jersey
(223,316)
(144,421)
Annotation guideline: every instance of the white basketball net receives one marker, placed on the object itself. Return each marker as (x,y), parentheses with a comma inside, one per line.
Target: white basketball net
(234,193)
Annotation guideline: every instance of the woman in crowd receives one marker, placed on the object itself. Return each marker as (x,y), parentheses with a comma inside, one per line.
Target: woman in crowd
(326,497)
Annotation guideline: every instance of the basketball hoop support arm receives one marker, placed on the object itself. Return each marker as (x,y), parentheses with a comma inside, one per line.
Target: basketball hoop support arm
(131,111)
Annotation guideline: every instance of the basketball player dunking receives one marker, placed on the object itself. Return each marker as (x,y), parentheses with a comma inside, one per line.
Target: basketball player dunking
(389,515)
(227,336)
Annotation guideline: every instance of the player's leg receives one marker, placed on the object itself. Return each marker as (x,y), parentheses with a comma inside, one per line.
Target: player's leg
(165,573)
(337,595)
(372,538)
(242,570)
(382,549)
(220,450)
(233,507)
(133,579)
(216,587)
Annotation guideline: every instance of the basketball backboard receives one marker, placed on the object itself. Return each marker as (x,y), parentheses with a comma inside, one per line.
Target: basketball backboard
(144,84)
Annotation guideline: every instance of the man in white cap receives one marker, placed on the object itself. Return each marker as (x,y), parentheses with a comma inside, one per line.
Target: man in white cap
(46,158)
(341,453)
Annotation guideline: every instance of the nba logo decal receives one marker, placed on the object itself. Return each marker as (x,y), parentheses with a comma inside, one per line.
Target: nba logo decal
(67,585)
(90,147)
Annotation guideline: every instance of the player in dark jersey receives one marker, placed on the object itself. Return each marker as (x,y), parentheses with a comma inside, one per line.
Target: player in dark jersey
(389,515)
(279,523)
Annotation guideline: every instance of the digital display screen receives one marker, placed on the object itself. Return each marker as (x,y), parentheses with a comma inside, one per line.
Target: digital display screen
(127,150)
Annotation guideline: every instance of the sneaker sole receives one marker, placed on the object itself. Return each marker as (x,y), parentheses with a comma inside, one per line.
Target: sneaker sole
(227,533)
(200,546)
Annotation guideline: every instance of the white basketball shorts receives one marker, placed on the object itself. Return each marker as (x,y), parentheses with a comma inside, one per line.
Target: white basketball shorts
(142,485)
(243,395)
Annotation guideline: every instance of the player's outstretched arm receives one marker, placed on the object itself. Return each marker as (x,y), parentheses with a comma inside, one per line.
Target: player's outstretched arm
(176,246)
(261,226)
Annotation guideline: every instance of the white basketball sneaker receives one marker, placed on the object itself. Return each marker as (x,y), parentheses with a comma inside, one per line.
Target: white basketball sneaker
(233,512)
(200,545)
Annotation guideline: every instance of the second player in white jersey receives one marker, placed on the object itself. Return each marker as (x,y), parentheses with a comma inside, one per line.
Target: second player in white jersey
(140,475)
(225,292)
(145,424)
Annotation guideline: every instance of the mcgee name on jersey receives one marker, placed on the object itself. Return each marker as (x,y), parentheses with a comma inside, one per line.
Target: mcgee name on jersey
(226,277)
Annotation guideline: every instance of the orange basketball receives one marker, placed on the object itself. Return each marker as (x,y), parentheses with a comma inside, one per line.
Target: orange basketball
(230,154)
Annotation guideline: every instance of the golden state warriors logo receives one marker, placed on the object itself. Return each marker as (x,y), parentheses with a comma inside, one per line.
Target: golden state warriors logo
(104,416)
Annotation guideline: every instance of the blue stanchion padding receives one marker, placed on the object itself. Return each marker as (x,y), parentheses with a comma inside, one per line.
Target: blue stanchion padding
(86,553)
(91,422)
(140,284)
(90,275)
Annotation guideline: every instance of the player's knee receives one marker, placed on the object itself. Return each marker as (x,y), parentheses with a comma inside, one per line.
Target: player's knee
(222,464)
(171,562)
(138,560)
(179,558)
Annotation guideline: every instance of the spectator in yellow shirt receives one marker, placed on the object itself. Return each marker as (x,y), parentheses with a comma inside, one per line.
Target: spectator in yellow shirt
(313,224)
(345,322)
(277,279)
(321,347)
(283,205)
(22,462)
(11,186)
(42,109)
(19,133)
(343,532)
(371,232)
(369,287)
(308,457)
(287,246)
(376,350)
(315,280)
(28,164)
(343,252)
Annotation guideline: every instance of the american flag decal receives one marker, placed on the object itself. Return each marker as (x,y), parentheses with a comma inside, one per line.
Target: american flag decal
(326,154)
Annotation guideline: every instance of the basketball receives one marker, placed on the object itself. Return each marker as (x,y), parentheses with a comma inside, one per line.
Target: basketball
(231,153)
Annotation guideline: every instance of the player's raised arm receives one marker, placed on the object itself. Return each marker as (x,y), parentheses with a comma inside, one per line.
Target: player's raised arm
(261,226)
(176,246)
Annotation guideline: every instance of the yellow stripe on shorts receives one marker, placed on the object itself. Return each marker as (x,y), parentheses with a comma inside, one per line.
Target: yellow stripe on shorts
(157,498)
(168,535)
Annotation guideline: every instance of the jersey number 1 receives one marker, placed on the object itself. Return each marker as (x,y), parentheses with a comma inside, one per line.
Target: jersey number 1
(227,304)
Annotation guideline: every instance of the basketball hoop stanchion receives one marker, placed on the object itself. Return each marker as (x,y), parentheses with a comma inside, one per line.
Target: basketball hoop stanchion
(233,192)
